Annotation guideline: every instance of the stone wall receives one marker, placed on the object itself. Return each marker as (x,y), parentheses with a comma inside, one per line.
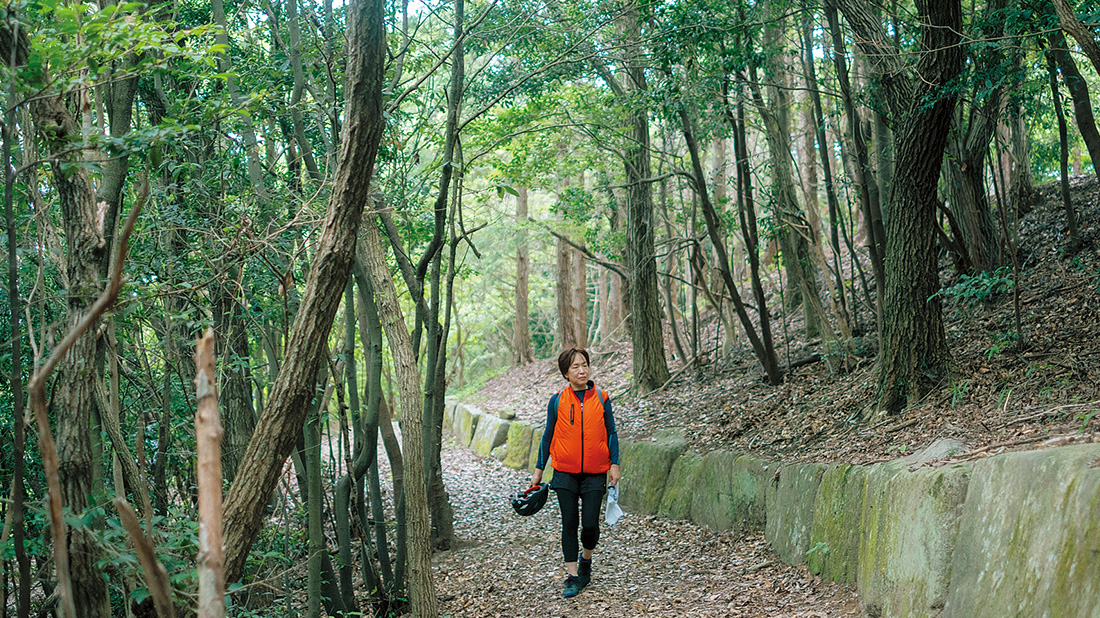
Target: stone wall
(1016,534)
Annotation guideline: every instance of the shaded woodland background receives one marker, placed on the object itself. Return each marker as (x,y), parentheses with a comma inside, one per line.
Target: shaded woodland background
(374,205)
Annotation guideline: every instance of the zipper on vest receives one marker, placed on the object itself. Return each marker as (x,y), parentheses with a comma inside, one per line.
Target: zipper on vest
(582,432)
(571,407)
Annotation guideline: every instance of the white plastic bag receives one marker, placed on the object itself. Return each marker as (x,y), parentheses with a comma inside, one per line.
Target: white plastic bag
(612,512)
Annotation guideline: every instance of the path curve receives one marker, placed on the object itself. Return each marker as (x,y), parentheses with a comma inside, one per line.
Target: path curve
(510,566)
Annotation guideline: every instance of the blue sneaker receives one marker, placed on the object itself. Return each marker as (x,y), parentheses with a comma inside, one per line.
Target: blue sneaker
(573,587)
(584,571)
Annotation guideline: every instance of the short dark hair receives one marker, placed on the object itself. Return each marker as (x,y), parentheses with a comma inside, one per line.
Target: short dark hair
(566,358)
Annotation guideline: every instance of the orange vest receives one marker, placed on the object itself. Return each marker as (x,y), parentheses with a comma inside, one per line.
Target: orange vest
(580,435)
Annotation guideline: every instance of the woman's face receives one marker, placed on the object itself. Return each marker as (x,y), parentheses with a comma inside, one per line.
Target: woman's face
(578,372)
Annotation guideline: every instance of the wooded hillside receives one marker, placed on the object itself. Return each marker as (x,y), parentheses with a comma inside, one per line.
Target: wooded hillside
(372,205)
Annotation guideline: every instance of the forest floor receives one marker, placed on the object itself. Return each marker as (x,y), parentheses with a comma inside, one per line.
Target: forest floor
(1001,397)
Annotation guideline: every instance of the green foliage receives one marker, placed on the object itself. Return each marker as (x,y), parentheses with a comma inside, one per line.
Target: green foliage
(983,287)
(959,391)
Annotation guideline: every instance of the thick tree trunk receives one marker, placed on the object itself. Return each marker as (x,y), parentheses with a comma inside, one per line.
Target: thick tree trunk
(914,357)
(282,419)
(521,337)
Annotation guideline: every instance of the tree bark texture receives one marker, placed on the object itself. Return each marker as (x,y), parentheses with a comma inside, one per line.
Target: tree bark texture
(649,363)
(567,336)
(282,419)
(421,587)
(18,495)
(915,356)
(74,399)
(521,337)
(208,436)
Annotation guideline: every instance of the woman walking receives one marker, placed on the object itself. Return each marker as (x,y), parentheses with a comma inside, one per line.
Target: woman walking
(581,444)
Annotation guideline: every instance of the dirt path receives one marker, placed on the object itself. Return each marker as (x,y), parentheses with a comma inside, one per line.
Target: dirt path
(510,566)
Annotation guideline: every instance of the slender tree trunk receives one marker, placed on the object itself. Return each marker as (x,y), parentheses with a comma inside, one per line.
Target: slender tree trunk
(295,42)
(1063,159)
(421,587)
(521,339)
(18,517)
(866,186)
(567,323)
(650,366)
(580,296)
(315,536)
(837,292)
(236,383)
(282,419)
(1079,92)
(768,361)
(251,144)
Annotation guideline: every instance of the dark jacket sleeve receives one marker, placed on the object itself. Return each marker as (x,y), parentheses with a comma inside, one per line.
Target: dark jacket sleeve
(548,433)
(612,435)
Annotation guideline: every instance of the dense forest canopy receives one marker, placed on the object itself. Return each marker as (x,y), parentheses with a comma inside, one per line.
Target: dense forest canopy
(374,204)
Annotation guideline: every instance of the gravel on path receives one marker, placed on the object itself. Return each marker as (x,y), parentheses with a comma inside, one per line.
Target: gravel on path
(511,566)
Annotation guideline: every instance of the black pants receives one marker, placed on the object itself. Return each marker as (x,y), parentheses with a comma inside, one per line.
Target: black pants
(589,500)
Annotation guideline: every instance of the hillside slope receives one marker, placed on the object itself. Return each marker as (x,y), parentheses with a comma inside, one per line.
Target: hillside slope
(1001,397)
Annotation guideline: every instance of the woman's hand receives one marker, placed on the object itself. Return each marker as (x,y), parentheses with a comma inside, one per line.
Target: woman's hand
(536,477)
(613,475)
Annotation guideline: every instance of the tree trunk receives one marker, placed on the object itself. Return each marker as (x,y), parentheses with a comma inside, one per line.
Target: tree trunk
(236,384)
(18,517)
(837,292)
(649,364)
(284,414)
(1079,91)
(866,186)
(964,167)
(294,51)
(521,338)
(914,357)
(421,588)
(580,296)
(74,398)
(1063,159)
(567,335)
(763,354)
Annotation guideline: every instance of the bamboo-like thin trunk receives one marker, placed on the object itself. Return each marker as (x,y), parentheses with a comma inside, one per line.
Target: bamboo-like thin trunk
(208,438)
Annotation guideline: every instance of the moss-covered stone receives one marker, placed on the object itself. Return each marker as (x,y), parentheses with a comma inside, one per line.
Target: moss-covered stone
(491,432)
(536,441)
(645,466)
(465,424)
(749,490)
(449,415)
(519,445)
(1029,539)
(790,504)
(838,512)
(676,500)
(908,531)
